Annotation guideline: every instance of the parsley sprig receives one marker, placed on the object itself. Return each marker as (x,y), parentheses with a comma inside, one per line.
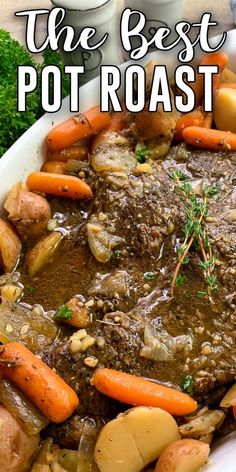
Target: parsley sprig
(64,313)
(14,123)
(142,154)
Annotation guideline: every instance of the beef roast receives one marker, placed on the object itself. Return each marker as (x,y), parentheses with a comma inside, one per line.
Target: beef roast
(139,217)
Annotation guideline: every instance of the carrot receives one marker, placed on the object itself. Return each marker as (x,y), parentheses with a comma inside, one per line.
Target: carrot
(118,121)
(231,85)
(208,120)
(216,58)
(38,382)
(136,391)
(212,139)
(59,185)
(194,118)
(76,128)
(55,167)
(77,153)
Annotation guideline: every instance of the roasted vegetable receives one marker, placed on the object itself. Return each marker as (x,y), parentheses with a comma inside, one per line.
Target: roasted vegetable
(101,242)
(27,415)
(33,327)
(186,455)
(225,109)
(10,246)
(230,398)
(28,212)
(134,439)
(40,254)
(55,399)
(16,447)
(203,424)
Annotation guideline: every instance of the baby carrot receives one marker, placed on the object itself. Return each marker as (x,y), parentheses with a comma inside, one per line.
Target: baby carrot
(194,118)
(212,139)
(136,391)
(59,185)
(231,85)
(76,128)
(216,58)
(77,153)
(38,382)
(55,167)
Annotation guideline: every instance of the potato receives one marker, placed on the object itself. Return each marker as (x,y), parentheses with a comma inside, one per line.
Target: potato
(134,439)
(186,455)
(10,246)
(16,447)
(225,109)
(28,212)
(228,76)
(37,257)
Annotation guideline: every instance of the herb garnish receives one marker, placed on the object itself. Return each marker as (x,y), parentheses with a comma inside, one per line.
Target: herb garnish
(64,313)
(117,253)
(196,211)
(30,290)
(142,154)
(14,123)
(187,384)
(149,276)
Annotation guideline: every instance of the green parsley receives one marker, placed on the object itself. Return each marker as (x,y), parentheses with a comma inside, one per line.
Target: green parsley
(117,254)
(14,123)
(30,290)
(187,384)
(149,276)
(64,313)
(142,154)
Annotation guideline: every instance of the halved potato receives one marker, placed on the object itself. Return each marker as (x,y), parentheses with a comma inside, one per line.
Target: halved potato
(37,257)
(10,246)
(134,439)
(225,109)
(186,455)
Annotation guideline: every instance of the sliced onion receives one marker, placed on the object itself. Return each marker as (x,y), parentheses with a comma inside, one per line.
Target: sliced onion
(230,398)
(86,447)
(101,242)
(161,346)
(33,328)
(208,422)
(28,416)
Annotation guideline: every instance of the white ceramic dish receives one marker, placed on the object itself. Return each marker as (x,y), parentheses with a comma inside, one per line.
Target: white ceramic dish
(27,155)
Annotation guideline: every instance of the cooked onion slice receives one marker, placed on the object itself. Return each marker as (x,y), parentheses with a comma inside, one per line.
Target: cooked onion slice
(28,416)
(230,398)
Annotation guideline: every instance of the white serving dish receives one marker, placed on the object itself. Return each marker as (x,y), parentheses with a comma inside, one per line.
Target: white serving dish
(27,155)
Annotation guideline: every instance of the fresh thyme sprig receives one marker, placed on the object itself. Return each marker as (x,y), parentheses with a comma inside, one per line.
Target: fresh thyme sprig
(196,211)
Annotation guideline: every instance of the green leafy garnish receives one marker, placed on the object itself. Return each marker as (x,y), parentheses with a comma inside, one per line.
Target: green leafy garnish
(30,290)
(149,276)
(117,253)
(142,154)
(64,313)
(14,123)
(187,384)
(195,236)
(180,280)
